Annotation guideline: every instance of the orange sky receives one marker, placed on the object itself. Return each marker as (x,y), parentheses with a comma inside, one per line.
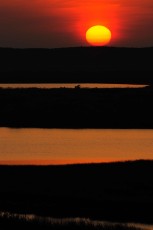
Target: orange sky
(62,23)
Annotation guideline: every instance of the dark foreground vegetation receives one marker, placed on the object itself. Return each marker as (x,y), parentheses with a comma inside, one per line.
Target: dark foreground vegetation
(8,221)
(12,221)
(77,108)
(78,64)
(120,192)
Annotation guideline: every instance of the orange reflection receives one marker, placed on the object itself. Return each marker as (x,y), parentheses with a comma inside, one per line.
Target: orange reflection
(67,146)
(54,162)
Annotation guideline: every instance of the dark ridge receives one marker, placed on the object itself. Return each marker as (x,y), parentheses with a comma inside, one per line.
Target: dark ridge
(77,64)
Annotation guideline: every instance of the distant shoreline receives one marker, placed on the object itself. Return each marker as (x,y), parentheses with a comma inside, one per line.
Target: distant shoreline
(77,108)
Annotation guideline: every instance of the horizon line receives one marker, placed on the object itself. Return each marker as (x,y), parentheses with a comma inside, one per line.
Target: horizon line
(76,47)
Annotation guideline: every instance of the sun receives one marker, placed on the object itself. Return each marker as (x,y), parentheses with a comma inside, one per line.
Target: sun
(98,35)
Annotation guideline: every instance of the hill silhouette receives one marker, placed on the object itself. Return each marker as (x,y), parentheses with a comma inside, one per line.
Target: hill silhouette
(77,64)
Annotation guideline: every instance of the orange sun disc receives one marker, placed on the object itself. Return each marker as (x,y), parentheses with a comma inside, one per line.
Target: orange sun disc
(98,35)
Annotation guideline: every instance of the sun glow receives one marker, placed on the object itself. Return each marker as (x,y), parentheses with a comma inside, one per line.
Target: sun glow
(98,35)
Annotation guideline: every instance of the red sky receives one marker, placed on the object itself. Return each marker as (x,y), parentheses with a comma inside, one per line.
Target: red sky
(63,23)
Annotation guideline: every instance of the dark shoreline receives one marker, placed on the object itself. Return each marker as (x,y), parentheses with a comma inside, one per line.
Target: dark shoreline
(117,192)
(77,108)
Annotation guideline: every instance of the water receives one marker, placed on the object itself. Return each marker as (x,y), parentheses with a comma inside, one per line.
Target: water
(72,85)
(59,146)
(64,146)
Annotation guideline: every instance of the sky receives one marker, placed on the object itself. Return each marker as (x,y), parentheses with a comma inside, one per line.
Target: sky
(63,23)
